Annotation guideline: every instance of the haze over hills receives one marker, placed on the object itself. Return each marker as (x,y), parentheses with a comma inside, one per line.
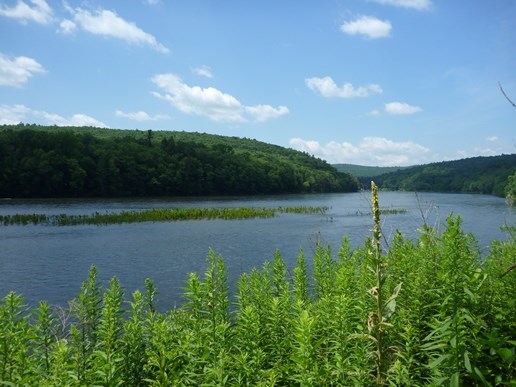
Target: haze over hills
(364,170)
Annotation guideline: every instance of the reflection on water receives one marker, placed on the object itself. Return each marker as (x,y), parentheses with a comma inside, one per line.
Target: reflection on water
(48,262)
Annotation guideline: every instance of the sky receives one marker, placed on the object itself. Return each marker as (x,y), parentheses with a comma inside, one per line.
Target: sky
(369,82)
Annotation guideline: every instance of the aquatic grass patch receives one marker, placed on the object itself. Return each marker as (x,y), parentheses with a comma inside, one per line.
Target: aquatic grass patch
(23,219)
(382,211)
(303,210)
(157,215)
(392,211)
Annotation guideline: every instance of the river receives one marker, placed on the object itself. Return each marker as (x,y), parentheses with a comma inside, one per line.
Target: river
(50,262)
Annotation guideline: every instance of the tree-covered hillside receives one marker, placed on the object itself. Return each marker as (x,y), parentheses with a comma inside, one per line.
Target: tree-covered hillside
(39,161)
(485,175)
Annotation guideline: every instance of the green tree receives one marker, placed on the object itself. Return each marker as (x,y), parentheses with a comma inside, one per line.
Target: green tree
(510,189)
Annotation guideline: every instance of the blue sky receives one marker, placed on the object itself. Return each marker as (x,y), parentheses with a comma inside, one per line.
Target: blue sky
(371,82)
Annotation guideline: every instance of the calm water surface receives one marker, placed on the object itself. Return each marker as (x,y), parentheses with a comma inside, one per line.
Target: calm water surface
(50,262)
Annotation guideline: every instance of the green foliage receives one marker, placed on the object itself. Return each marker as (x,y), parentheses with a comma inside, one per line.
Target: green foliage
(15,334)
(39,161)
(158,215)
(510,189)
(484,175)
(424,312)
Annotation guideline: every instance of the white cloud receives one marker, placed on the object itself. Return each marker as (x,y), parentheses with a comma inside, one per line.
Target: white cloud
(108,23)
(492,138)
(16,72)
(40,12)
(263,113)
(485,151)
(141,116)
(369,26)
(14,114)
(376,151)
(401,108)
(75,120)
(204,71)
(415,4)
(329,89)
(210,102)
(67,26)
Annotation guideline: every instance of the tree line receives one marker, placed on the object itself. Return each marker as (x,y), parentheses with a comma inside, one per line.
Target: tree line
(68,163)
(483,175)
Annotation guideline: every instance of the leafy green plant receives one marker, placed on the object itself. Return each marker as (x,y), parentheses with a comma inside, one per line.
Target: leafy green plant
(16,334)
(107,356)
(86,313)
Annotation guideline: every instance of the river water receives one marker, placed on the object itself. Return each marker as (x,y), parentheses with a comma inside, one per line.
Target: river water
(50,262)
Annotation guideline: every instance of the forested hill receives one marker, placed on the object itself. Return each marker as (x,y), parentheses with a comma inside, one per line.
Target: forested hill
(50,161)
(485,175)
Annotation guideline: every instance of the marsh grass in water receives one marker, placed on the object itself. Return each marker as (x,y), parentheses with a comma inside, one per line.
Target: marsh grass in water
(424,312)
(158,215)
(382,211)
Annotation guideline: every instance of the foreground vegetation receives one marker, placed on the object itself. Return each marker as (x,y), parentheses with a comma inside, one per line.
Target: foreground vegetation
(39,161)
(429,311)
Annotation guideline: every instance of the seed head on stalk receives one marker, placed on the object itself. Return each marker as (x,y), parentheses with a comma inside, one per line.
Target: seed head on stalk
(376,217)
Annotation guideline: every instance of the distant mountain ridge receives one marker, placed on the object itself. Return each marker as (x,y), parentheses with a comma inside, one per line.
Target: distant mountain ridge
(364,170)
(484,175)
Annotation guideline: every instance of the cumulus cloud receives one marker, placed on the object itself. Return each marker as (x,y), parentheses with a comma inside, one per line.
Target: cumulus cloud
(263,113)
(377,151)
(414,4)
(108,23)
(39,12)
(368,26)
(211,102)
(482,151)
(14,114)
(67,26)
(75,120)
(16,72)
(204,71)
(328,88)
(401,108)
(141,116)
(492,138)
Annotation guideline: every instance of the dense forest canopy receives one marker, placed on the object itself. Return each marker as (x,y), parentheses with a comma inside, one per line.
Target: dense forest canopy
(484,175)
(40,161)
